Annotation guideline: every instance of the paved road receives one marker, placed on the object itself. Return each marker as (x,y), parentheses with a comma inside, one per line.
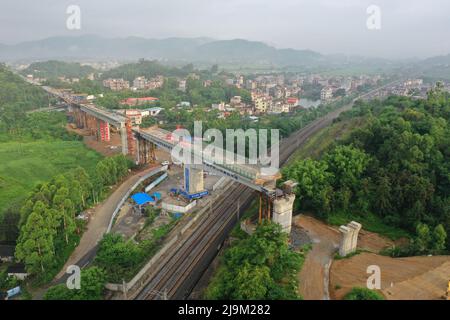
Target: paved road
(86,250)
(98,225)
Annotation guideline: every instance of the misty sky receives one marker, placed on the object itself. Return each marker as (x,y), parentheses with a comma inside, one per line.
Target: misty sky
(409,28)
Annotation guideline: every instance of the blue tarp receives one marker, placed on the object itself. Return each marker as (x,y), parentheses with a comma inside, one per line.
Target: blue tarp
(142,198)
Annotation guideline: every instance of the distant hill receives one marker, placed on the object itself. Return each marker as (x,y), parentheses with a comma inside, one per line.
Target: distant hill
(434,68)
(132,48)
(438,60)
(181,51)
(145,68)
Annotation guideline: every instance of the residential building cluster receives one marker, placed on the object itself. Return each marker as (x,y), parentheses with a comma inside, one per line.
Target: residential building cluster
(142,83)
(409,88)
(275,94)
(116,84)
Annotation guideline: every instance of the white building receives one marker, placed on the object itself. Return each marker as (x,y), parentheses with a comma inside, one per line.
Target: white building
(140,83)
(326,94)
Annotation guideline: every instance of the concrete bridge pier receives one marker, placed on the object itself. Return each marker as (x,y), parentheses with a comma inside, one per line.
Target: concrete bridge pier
(145,151)
(193,178)
(104,131)
(356,227)
(77,117)
(282,211)
(123,136)
(349,238)
(345,246)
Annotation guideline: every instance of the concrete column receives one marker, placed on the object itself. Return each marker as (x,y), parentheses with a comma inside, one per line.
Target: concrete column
(193,179)
(138,150)
(104,131)
(346,240)
(84,119)
(282,211)
(356,227)
(123,136)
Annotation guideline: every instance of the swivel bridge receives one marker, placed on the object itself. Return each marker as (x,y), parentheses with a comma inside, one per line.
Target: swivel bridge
(96,120)
(274,203)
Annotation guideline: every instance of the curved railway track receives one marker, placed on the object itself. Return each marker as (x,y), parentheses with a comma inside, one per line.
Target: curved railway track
(179,272)
(186,257)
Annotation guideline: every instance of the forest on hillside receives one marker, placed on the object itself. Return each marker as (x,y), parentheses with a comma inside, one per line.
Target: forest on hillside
(395,168)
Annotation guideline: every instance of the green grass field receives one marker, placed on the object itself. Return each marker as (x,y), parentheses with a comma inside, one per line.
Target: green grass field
(23,165)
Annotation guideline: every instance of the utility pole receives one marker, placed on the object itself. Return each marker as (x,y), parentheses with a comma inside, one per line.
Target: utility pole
(125,289)
(238,208)
(210,206)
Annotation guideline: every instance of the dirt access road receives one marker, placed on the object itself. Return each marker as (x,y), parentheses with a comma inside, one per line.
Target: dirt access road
(98,224)
(314,276)
(322,278)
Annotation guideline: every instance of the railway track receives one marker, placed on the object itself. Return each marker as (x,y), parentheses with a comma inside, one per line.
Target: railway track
(174,281)
(185,258)
(179,273)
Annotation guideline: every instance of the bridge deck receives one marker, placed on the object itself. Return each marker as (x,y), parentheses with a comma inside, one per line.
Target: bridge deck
(105,115)
(251,173)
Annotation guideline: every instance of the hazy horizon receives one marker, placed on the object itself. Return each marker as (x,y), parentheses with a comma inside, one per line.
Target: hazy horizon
(409,29)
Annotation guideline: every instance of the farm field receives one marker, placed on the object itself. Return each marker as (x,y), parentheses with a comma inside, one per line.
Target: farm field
(24,165)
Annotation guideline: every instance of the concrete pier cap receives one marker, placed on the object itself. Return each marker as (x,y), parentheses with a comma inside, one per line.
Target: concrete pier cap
(349,238)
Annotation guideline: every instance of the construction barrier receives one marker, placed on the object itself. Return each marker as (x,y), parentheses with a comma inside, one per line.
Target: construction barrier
(127,195)
(174,208)
(141,277)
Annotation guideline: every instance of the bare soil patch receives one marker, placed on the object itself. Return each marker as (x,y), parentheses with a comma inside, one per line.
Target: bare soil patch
(401,278)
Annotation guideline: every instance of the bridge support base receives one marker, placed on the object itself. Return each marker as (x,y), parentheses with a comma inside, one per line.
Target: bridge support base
(123,136)
(193,179)
(349,238)
(282,211)
(145,151)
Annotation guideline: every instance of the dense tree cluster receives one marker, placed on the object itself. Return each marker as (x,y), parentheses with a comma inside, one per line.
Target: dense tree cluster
(35,126)
(54,69)
(49,229)
(397,166)
(48,220)
(148,69)
(261,266)
(14,90)
(92,286)
(121,259)
(17,97)
(363,294)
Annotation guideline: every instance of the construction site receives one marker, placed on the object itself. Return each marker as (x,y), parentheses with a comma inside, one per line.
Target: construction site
(202,202)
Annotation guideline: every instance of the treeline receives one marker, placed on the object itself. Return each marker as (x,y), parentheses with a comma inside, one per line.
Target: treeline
(14,90)
(16,98)
(19,126)
(54,69)
(397,167)
(49,228)
(92,286)
(258,267)
(148,69)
